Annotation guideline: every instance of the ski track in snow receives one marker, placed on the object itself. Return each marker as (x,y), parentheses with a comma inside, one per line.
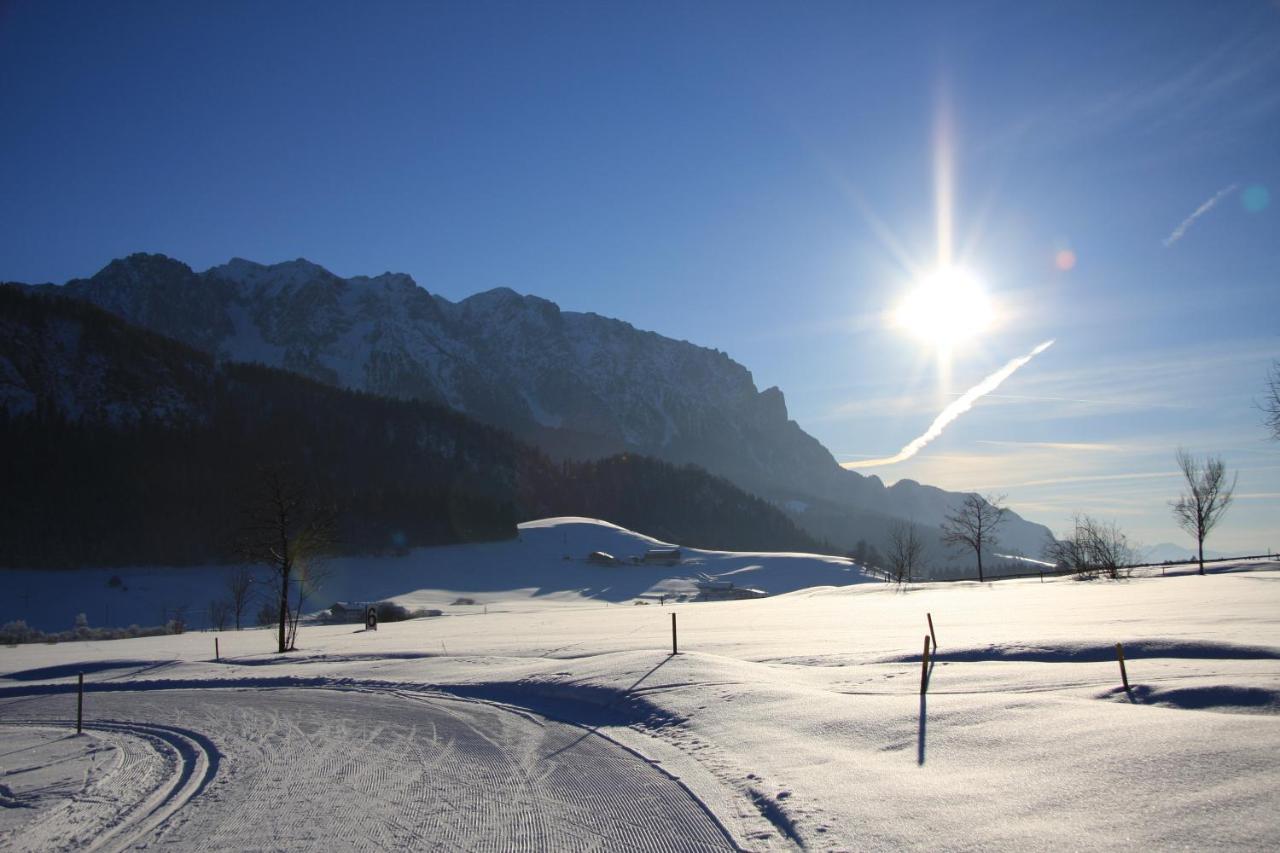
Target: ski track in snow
(153,772)
(311,768)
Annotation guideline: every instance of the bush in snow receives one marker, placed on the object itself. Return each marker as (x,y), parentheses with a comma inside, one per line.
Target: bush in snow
(391,612)
(268,616)
(1094,548)
(16,632)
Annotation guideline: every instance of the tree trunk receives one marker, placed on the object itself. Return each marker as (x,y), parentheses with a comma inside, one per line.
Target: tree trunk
(284,607)
(1200,545)
(979,550)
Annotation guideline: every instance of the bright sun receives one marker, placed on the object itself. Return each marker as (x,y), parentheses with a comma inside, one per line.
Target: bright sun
(947,308)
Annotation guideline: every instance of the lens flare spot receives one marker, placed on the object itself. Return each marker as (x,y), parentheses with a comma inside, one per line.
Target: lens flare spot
(1065,260)
(1255,198)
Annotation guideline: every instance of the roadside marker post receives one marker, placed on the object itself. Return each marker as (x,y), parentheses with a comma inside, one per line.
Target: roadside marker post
(1124,676)
(924,667)
(674,649)
(217,655)
(80,705)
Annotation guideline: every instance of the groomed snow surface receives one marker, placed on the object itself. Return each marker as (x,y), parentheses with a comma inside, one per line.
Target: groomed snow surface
(560,720)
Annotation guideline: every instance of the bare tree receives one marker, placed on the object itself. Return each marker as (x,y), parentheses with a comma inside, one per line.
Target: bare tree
(1271,402)
(973,524)
(219,610)
(1093,547)
(311,576)
(906,551)
(290,531)
(1199,509)
(240,588)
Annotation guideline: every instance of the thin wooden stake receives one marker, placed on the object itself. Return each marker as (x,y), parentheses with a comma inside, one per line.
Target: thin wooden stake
(80,705)
(929,616)
(674,649)
(217,655)
(1124,676)
(924,668)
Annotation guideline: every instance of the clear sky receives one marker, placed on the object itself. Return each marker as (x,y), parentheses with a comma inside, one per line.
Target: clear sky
(756,177)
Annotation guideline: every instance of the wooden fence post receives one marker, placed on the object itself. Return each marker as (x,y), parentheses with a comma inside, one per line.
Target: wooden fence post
(1124,676)
(924,667)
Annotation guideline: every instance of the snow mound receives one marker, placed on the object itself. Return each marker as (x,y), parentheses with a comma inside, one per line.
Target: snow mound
(591,534)
(545,565)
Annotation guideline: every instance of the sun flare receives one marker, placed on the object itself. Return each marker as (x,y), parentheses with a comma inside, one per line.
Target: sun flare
(946,308)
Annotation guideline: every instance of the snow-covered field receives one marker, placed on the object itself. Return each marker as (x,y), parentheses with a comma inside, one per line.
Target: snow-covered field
(546,564)
(557,721)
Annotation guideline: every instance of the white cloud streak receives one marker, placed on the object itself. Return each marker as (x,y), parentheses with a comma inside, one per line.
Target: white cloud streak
(1083,446)
(963,404)
(1209,205)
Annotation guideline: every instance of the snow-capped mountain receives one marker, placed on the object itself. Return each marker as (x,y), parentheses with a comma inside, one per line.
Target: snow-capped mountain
(577,384)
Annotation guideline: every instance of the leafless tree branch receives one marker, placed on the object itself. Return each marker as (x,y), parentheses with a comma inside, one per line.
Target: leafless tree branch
(1199,509)
(1271,402)
(973,524)
(1094,547)
(289,530)
(906,551)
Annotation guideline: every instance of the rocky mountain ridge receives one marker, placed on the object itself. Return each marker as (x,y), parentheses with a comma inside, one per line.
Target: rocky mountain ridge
(124,447)
(576,384)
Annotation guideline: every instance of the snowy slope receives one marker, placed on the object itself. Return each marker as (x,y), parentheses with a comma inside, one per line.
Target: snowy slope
(795,720)
(547,562)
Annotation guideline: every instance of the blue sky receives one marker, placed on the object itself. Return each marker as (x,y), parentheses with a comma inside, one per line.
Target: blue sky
(747,176)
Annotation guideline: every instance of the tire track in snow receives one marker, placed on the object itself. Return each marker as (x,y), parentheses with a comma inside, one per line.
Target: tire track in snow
(344,770)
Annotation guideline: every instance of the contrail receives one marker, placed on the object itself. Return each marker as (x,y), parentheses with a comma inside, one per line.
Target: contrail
(1200,211)
(962,404)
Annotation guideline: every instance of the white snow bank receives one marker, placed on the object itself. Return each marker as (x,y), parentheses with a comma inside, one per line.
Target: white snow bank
(799,718)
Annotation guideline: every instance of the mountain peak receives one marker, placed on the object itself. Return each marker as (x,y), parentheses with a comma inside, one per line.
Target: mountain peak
(493,296)
(141,267)
(774,403)
(286,272)
(504,300)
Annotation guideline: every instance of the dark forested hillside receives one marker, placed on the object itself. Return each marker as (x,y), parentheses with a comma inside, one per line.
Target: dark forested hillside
(123,447)
(676,503)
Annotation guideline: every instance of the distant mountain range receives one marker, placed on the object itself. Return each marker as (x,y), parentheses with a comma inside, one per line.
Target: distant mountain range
(1167,552)
(579,386)
(124,447)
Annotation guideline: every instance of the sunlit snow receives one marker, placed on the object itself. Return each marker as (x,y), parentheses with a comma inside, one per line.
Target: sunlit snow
(792,720)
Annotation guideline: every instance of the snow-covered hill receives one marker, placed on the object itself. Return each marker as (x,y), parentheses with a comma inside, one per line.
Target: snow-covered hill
(546,563)
(577,384)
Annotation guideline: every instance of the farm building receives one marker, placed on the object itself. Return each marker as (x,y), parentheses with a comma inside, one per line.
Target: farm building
(661,556)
